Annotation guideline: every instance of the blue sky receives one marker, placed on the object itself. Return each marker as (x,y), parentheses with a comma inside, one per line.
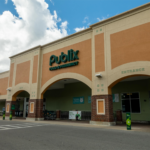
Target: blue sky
(82,13)
(28,23)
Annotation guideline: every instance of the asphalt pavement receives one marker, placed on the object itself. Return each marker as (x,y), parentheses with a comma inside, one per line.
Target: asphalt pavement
(17,135)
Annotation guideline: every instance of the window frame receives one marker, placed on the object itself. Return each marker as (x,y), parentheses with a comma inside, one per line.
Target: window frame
(30,107)
(103,106)
(130,103)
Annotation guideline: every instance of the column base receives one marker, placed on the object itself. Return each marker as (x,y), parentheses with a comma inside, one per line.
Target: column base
(39,119)
(34,119)
(101,123)
(30,119)
(74,120)
(6,118)
(58,119)
(119,122)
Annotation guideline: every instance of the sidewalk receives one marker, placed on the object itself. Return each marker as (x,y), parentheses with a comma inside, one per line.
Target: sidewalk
(135,127)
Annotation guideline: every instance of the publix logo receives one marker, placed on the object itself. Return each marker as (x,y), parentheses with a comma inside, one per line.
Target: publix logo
(70,56)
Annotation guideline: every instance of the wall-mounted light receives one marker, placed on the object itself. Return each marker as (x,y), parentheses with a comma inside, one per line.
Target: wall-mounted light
(9,89)
(98,75)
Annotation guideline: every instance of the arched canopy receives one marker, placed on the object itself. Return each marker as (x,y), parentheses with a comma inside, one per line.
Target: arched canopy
(65,76)
(120,79)
(16,94)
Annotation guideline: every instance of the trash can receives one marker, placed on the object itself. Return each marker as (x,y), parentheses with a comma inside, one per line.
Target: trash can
(3,115)
(128,120)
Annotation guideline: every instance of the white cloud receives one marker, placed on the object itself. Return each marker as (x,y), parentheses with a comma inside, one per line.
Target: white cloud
(88,24)
(34,26)
(102,18)
(85,19)
(6,1)
(79,29)
(52,2)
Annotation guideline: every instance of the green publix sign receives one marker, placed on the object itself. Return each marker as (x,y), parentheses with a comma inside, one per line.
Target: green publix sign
(71,56)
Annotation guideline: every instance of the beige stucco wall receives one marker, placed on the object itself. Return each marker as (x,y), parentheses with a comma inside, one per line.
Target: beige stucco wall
(82,72)
(24,60)
(3,84)
(84,67)
(129,21)
(97,54)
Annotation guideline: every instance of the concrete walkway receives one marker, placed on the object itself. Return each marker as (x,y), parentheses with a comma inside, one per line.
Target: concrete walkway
(135,127)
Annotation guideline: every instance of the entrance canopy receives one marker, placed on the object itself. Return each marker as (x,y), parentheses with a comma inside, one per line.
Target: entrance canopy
(68,95)
(133,95)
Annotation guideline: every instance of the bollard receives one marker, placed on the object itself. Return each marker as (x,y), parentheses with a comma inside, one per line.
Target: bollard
(3,115)
(128,120)
(10,117)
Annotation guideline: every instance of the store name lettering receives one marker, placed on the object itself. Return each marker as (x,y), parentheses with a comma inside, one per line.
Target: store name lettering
(70,56)
(133,70)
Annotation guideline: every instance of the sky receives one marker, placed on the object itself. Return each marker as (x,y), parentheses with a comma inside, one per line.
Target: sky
(28,23)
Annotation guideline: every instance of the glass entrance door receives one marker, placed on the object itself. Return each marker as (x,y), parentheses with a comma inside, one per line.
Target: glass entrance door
(130,102)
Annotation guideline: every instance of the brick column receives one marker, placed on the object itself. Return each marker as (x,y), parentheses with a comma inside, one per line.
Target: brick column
(107,118)
(37,113)
(10,104)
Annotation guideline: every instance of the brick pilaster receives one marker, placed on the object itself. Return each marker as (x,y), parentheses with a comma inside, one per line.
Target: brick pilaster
(108,117)
(57,114)
(38,108)
(10,104)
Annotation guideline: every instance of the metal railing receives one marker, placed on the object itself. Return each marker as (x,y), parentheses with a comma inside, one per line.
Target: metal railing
(49,115)
(1,113)
(64,114)
(85,115)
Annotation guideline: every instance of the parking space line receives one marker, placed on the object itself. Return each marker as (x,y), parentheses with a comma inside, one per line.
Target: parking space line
(19,126)
(4,128)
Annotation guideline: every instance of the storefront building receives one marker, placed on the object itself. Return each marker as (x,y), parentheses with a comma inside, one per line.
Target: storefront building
(100,70)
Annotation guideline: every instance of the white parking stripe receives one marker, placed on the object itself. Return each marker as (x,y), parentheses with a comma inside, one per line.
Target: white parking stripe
(35,124)
(4,128)
(23,125)
(19,126)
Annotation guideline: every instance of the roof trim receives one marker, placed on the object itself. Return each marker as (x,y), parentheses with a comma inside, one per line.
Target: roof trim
(79,32)
(25,51)
(120,15)
(4,72)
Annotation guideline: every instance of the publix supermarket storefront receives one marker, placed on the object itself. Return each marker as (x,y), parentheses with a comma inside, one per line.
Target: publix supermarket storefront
(97,74)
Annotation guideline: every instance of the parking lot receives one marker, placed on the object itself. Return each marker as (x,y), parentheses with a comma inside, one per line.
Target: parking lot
(55,135)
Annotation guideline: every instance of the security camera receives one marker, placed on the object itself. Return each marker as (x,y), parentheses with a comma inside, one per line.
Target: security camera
(8,89)
(98,75)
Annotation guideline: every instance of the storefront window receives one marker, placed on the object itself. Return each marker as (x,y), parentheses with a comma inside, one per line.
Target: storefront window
(130,102)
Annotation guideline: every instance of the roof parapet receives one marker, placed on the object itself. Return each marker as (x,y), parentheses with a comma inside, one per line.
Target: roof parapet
(122,14)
